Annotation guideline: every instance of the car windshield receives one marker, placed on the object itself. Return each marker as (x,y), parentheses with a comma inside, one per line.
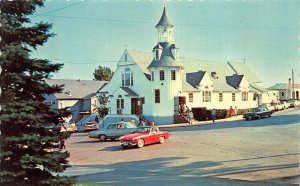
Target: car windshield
(129,125)
(143,129)
(254,110)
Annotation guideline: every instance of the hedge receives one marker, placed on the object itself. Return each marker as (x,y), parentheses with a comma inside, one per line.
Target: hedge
(202,114)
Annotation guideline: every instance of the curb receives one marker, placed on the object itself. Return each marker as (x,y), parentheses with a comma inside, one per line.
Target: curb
(201,123)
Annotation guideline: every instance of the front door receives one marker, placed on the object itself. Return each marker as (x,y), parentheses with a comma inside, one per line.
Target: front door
(136,106)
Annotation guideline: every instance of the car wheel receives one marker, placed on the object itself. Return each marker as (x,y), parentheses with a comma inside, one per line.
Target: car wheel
(141,143)
(162,139)
(102,137)
(124,147)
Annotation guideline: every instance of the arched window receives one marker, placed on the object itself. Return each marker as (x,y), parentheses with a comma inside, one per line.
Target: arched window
(127,78)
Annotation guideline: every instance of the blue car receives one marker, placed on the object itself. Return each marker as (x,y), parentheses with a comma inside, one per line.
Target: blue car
(113,131)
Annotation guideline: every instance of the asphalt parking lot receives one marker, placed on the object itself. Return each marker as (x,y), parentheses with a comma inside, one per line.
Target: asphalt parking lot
(234,152)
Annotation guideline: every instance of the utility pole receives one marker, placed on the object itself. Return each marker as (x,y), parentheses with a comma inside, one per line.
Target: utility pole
(293,93)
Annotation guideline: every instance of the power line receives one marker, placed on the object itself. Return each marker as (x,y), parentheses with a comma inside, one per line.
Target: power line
(84,63)
(178,24)
(55,10)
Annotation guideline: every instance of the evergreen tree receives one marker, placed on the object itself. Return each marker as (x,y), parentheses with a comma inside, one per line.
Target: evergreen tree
(103,73)
(29,153)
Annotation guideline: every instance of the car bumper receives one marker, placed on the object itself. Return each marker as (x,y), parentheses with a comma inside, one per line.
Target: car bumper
(128,143)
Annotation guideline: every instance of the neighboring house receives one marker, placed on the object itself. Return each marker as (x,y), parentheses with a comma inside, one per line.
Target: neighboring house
(286,91)
(77,95)
(154,84)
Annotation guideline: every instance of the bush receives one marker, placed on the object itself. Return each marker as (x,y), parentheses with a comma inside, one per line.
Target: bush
(242,111)
(201,114)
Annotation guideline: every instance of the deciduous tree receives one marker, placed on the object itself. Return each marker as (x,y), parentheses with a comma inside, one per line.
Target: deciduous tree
(103,73)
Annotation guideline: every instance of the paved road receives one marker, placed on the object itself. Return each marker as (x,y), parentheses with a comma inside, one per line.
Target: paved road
(258,152)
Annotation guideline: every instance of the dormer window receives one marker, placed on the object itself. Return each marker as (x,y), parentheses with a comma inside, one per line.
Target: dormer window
(156,54)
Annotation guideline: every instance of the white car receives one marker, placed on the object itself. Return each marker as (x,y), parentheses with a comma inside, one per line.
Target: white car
(279,106)
(285,104)
(294,103)
(268,106)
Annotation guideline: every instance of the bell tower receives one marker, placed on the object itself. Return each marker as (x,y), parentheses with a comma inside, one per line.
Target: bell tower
(165,29)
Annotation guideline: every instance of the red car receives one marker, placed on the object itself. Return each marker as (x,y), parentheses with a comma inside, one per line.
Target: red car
(144,136)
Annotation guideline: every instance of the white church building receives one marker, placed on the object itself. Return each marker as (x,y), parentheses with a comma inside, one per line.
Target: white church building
(155,83)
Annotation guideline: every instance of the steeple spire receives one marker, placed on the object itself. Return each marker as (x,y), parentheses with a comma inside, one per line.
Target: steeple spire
(165,28)
(164,20)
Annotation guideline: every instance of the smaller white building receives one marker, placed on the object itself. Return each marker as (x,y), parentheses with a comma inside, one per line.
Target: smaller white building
(77,95)
(286,91)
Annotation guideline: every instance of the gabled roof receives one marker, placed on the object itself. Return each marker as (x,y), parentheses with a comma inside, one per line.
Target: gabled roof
(166,58)
(222,69)
(76,89)
(158,46)
(283,86)
(279,86)
(220,85)
(243,69)
(142,59)
(129,92)
(164,20)
(256,88)
(195,78)
(234,80)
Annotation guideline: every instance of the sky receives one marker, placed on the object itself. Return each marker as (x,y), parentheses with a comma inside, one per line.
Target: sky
(265,34)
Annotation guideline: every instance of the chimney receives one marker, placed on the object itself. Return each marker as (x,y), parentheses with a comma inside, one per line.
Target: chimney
(214,75)
(70,93)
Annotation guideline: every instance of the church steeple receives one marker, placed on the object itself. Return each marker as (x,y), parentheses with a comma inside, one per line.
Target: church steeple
(165,29)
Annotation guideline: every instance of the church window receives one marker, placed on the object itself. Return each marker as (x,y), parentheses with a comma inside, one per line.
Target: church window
(125,57)
(220,97)
(157,96)
(191,97)
(162,75)
(127,79)
(282,93)
(233,96)
(244,96)
(173,75)
(120,106)
(206,96)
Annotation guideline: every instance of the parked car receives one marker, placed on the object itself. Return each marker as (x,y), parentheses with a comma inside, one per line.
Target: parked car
(88,126)
(294,103)
(285,104)
(278,106)
(70,127)
(268,106)
(113,131)
(144,136)
(257,113)
(53,127)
